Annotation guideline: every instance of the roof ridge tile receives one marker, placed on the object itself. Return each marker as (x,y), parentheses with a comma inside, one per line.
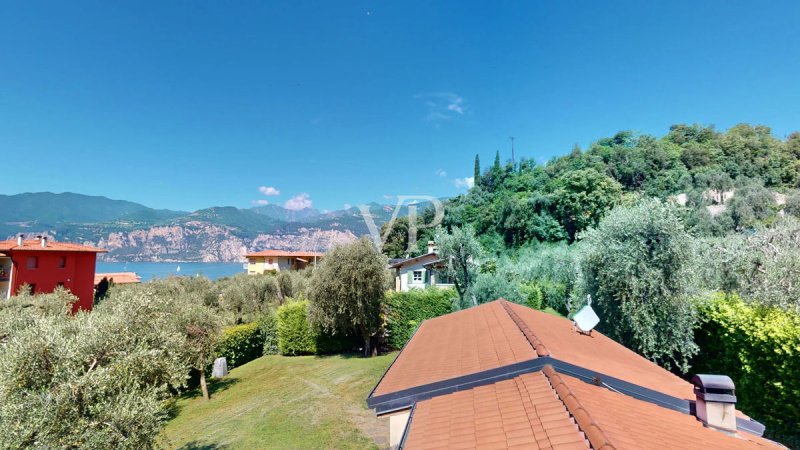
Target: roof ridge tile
(587,424)
(534,340)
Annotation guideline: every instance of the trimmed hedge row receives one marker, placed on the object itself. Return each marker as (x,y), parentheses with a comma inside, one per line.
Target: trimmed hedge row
(759,348)
(296,336)
(404,311)
(241,344)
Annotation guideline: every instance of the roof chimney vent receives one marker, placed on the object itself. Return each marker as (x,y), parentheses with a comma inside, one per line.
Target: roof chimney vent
(44,241)
(432,247)
(716,402)
(19,240)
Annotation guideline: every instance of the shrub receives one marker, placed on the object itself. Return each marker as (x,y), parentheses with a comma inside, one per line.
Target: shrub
(241,344)
(269,332)
(404,311)
(532,294)
(295,335)
(759,348)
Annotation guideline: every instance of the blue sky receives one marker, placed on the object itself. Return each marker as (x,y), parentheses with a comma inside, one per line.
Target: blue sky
(185,105)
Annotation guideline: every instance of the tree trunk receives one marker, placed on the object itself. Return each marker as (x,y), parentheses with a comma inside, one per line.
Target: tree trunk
(203,386)
(367,347)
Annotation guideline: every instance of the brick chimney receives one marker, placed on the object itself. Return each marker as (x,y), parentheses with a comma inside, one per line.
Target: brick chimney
(716,402)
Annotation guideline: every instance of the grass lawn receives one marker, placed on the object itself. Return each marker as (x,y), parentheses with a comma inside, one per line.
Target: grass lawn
(284,402)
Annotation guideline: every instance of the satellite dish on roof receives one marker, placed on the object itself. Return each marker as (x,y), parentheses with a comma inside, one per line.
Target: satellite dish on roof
(586,319)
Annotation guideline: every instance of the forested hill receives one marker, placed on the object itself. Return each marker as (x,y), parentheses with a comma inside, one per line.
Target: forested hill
(730,180)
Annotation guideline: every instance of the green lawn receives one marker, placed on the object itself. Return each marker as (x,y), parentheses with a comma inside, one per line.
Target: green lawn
(287,403)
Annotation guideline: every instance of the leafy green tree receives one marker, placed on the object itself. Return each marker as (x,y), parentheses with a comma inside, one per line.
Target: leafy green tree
(583,197)
(201,328)
(396,245)
(347,290)
(635,266)
(489,287)
(460,251)
(751,205)
(93,380)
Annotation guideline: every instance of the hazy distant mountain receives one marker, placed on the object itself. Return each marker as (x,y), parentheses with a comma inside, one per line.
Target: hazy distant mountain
(287,215)
(50,208)
(134,232)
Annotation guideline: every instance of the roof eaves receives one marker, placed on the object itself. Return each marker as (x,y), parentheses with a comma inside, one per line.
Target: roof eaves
(406,261)
(402,444)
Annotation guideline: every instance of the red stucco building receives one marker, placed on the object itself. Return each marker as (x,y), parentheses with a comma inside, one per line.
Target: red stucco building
(43,265)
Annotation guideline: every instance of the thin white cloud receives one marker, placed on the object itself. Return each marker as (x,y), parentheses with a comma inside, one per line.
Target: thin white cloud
(466,182)
(388,197)
(269,191)
(298,202)
(441,172)
(443,105)
(261,202)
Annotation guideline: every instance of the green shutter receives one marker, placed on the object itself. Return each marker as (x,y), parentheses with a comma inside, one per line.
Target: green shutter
(410,275)
(425,276)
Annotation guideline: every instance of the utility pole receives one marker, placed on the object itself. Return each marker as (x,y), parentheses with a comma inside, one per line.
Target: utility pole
(513,161)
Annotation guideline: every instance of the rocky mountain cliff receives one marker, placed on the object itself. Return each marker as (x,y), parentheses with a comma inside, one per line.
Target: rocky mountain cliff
(133,232)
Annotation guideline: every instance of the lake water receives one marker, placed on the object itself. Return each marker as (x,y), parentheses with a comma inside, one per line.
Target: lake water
(150,270)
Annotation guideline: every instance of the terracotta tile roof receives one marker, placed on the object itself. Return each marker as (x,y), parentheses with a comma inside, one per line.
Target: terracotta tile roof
(284,254)
(118,277)
(627,423)
(36,245)
(524,412)
(600,353)
(550,410)
(471,374)
(469,341)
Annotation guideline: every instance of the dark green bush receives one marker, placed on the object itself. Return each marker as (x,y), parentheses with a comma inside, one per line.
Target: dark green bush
(759,348)
(269,332)
(295,335)
(241,344)
(404,311)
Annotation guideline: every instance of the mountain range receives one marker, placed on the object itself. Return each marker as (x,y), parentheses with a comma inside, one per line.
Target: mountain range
(134,232)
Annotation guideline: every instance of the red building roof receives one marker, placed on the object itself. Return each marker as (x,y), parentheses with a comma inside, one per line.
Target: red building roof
(284,254)
(118,277)
(36,245)
(501,375)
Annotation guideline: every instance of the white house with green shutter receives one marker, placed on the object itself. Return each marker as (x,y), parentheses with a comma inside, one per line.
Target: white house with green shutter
(419,272)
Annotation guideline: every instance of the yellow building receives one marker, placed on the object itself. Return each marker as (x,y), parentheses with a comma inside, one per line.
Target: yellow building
(273,261)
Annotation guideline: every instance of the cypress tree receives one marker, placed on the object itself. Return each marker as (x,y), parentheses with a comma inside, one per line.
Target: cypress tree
(477,174)
(497,161)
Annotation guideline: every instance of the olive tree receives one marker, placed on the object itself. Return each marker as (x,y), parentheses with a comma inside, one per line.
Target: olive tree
(200,327)
(635,266)
(460,252)
(347,291)
(94,380)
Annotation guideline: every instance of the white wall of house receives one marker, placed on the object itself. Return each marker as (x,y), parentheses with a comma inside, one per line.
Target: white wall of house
(405,279)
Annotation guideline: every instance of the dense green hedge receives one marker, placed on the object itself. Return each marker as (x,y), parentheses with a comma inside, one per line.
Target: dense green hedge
(241,344)
(404,311)
(295,336)
(269,332)
(759,348)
